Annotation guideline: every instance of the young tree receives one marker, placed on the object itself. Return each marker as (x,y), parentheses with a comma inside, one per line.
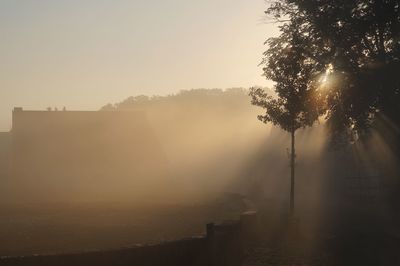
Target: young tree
(295,104)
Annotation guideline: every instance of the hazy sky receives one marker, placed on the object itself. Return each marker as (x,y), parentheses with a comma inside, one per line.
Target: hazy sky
(83,54)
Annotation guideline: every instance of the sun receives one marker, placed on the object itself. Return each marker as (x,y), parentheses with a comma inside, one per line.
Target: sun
(325,79)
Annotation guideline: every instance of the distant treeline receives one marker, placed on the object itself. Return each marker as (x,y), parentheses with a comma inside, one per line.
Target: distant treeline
(199,96)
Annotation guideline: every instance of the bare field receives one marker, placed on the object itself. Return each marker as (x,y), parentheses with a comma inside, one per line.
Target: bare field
(64,229)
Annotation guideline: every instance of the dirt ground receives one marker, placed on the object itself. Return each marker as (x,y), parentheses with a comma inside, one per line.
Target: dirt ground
(65,229)
(354,239)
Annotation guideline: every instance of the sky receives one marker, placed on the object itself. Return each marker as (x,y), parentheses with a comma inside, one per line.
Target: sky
(83,54)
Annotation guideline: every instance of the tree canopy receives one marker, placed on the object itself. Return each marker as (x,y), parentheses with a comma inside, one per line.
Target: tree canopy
(360,42)
(288,64)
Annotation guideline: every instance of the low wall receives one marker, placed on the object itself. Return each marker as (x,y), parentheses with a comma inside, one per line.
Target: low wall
(222,245)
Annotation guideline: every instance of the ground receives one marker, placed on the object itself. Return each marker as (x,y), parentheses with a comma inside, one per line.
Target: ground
(26,230)
(351,237)
(354,239)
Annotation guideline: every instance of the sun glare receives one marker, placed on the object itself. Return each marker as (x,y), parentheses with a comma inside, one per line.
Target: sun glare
(326,77)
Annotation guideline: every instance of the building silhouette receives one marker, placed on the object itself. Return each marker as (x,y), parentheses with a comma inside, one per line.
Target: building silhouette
(81,156)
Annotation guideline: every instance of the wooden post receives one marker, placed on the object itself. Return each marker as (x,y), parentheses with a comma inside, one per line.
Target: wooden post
(292,165)
(210,230)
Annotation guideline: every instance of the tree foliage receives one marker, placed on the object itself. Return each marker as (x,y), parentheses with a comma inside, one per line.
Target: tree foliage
(361,41)
(288,64)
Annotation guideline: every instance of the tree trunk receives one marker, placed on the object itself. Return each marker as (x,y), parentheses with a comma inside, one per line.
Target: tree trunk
(292,162)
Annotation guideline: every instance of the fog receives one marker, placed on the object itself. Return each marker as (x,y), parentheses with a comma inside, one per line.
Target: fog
(190,147)
(202,150)
(214,145)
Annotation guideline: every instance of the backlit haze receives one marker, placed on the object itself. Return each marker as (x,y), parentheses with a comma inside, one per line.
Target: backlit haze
(84,54)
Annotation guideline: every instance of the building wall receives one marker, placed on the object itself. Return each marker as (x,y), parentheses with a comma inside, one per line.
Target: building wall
(84,156)
(5,164)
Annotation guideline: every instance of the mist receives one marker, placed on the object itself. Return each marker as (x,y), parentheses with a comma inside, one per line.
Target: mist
(190,147)
(200,155)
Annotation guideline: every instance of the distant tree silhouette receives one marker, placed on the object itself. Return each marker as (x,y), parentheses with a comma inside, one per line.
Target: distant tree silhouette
(361,41)
(198,96)
(295,104)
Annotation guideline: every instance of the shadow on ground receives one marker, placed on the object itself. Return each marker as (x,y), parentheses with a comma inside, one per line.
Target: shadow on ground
(352,238)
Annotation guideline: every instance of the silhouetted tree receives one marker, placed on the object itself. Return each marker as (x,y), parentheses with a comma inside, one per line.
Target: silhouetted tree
(361,41)
(295,104)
